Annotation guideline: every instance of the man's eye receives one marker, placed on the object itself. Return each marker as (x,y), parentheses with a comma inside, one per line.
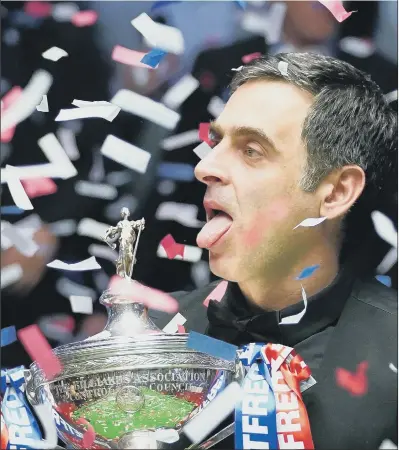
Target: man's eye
(213,140)
(251,153)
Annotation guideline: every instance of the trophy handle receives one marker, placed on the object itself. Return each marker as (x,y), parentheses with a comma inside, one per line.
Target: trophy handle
(30,389)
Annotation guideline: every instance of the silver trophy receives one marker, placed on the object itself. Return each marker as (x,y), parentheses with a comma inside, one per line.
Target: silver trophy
(132,381)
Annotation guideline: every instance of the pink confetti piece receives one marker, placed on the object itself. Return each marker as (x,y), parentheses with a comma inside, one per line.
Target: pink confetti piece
(171,247)
(84,18)
(38,9)
(129,57)
(11,96)
(136,292)
(203,133)
(67,323)
(217,293)
(38,348)
(337,9)
(181,329)
(89,435)
(250,57)
(38,187)
(355,383)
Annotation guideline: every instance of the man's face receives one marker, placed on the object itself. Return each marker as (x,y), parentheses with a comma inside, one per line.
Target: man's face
(253,175)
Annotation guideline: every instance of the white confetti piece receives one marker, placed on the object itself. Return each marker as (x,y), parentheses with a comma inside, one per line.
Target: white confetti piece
(180,212)
(54,54)
(119,177)
(113,210)
(102,112)
(311,222)
(387,444)
(146,108)
(85,103)
(64,11)
(296,318)
(388,262)
(385,228)
(17,191)
(10,275)
(54,152)
(166,187)
(237,69)
(361,48)
(101,280)
(91,228)
(216,106)
(393,368)
(81,304)
(161,36)
(391,96)
(67,288)
(65,227)
(167,435)
(87,264)
(171,327)
(191,254)
(214,413)
(45,415)
(200,274)
(67,139)
(179,92)
(97,171)
(26,103)
(180,140)
(103,251)
(282,67)
(125,153)
(43,106)
(20,239)
(97,190)
(202,150)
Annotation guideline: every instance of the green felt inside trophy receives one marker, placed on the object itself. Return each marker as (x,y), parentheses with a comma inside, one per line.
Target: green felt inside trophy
(159,411)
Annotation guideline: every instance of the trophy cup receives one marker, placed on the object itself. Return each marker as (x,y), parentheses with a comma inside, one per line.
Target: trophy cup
(132,379)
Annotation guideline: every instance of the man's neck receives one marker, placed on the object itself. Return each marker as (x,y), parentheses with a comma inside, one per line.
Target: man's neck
(276,293)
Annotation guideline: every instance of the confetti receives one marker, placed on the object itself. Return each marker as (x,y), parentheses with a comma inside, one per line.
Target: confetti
(103,251)
(125,153)
(337,9)
(183,213)
(198,428)
(385,228)
(97,190)
(179,92)
(146,108)
(97,171)
(12,210)
(92,228)
(63,12)
(200,274)
(9,335)
(167,435)
(38,187)
(202,150)
(361,48)
(67,139)
(391,96)
(7,101)
(388,261)
(54,54)
(43,106)
(153,58)
(84,18)
(113,210)
(191,254)
(136,292)
(180,140)
(181,329)
(65,227)
(216,106)
(296,318)
(387,444)
(10,275)
(161,36)
(16,189)
(19,237)
(171,327)
(60,163)
(393,368)
(384,279)
(87,264)
(26,103)
(107,112)
(283,67)
(66,288)
(237,69)
(217,293)
(307,272)
(355,383)
(39,350)
(203,132)
(157,5)
(248,58)
(81,304)
(171,247)
(311,222)
(58,327)
(176,171)
(210,346)
(129,57)
(45,415)
(37,9)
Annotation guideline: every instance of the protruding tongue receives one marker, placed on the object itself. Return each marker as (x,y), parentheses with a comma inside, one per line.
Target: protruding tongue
(213,230)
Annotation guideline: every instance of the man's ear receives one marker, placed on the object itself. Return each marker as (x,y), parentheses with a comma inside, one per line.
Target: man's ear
(340,190)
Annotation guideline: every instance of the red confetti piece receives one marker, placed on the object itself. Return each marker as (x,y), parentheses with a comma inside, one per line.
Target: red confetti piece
(84,18)
(217,293)
(89,435)
(181,329)
(11,96)
(171,247)
(38,9)
(135,292)
(38,187)
(203,133)
(355,383)
(38,348)
(130,57)
(337,9)
(248,58)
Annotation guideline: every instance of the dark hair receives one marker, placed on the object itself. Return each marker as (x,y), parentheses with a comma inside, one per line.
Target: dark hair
(349,122)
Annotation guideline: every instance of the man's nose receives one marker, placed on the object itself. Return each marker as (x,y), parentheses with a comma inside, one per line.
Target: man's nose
(211,169)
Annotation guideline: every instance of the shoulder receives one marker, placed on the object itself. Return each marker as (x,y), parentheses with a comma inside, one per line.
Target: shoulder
(376,295)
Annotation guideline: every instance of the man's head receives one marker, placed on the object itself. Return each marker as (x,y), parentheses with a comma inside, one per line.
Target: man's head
(287,148)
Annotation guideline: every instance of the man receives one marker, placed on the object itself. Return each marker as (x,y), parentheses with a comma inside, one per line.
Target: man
(311,143)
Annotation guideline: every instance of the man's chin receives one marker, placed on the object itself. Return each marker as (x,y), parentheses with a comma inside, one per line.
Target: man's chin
(221,266)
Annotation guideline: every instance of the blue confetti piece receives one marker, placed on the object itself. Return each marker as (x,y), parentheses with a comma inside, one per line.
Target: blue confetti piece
(307,272)
(176,171)
(153,58)
(158,5)
(8,335)
(384,279)
(242,4)
(11,210)
(211,346)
